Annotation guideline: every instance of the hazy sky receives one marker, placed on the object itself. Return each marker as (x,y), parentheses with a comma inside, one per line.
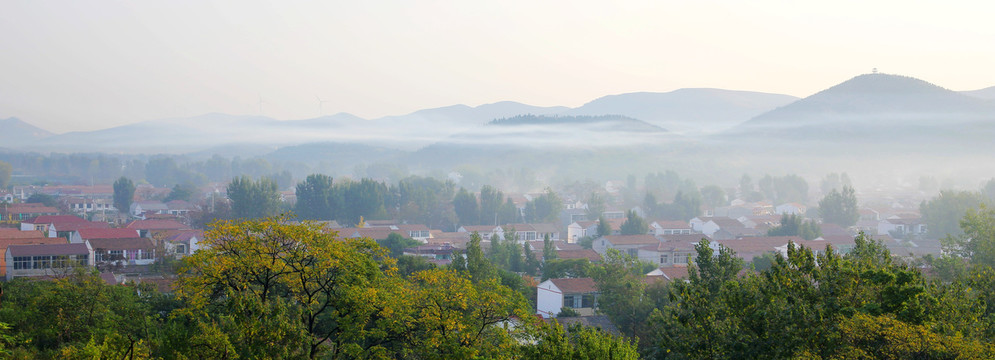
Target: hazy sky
(85,65)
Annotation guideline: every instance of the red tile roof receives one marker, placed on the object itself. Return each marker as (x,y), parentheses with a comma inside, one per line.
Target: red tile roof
(75,226)
(579,254)
(121,244)
(117,233)
(48,249)
(156,225)
(6,233)
(575,286)
(56,219)
(631,239)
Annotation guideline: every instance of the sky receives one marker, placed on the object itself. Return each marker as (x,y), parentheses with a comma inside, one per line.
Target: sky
(87,65)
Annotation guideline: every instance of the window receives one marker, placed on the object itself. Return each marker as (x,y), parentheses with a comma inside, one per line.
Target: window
(664,258)
(181,249)
(568,301)
(82,260)
(42,262)
(587,301)
(60,261)
(680,258)
(115,255)
(22,262)
(147,254)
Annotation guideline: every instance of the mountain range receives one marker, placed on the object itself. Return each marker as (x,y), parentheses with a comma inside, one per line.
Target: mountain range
(868,114)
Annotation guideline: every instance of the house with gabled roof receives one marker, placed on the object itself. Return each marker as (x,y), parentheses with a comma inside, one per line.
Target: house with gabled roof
(180,243)
(21,212)
(42,223)
(485,231)
(16,237)
(670,227)
(38,260)
(668,253)
(147,227)
(628,244)
(122,252)
(580,294)
(579,229)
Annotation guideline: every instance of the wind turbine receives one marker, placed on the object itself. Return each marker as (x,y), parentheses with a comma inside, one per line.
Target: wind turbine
(320,102)
(260,104)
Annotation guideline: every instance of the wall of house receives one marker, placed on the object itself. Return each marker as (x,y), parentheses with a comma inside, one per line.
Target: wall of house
(549,300)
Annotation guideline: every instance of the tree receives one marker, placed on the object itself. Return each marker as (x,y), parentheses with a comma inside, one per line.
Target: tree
(314,198)
(6,170)
(619,282)
(124,192)
(548,249)
(579,342)
(467,210)
(794,225)
(713,196)
(977,242)
(253,199)
(183,192)
(596,205)
(44,199)
(544,208)
(396,243)
(745,186)
(490,205)
(327,289)
(634,224)
(604,227)
(942,214)
(840,208)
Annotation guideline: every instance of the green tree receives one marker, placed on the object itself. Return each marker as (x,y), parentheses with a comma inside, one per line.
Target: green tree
(840,208)
(253,199)
(396,243)
(467,209)
(548,249)
(619,282)
(977,242)
(184,191)
(942,214)
(634,224)
(301,279)
(6,170)
(713,196)
(596,205)
(604,227)
(44,199)
(314,198)
(794,225)
(124,192)
(579,342)
(544,208)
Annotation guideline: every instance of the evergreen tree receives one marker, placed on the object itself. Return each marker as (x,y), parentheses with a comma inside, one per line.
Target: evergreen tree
(840,208)
(124,192)
(634,224)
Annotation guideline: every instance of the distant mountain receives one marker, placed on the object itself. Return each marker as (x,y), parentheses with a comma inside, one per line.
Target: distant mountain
(687,111)
(879,108)
(14,132)
(332,155)
(517,140)
(986,93)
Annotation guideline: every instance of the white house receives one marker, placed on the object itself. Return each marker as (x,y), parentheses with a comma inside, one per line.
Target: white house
(670,227)
(791,209)
(553,295)
(45,259)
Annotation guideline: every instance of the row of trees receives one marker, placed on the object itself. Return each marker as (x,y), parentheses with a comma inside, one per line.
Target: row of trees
(269,289)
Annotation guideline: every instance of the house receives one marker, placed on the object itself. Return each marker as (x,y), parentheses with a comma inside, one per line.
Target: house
(45,259)
(668,253)
(148,227)
(628,244)
(485,231)
(415,231)
(437,254)
(791,209)
(180,243)
(85,205)
(722,228)
(748,248)
(580,294)
(140,209)
(66,230)
(902,226)
(42,223)
(21,212)
(669,273)
(670,227)
(10,237)
(580,229)
(122,252)
(530,232)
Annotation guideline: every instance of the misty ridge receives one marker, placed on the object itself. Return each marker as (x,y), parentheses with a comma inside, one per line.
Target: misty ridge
(889,127)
